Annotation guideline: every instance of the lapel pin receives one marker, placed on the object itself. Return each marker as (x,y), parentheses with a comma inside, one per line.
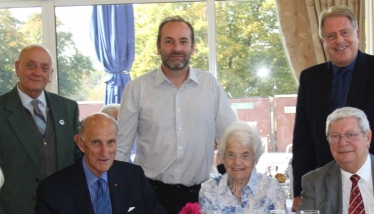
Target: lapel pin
(115,185)
(62,122)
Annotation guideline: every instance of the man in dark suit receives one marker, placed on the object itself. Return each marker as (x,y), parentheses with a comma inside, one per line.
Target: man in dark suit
(345,184)
(30,152)
(346,80)
(75,189)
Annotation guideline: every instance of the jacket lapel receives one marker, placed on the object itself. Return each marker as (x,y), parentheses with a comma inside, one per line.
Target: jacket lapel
(334,189)
(17,121)
(117,187)
(324,88)
(372,168)
(54,106)
(79,190)
(360,79)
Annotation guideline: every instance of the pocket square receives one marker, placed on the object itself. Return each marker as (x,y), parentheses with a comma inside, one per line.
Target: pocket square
(130,209)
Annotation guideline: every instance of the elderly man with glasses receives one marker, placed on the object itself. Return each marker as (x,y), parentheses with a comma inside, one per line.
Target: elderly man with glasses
(345,185)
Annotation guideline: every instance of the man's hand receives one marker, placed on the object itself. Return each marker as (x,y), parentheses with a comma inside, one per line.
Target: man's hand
(296,203)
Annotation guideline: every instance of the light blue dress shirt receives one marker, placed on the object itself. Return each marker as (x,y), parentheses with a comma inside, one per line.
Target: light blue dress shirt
(92,183)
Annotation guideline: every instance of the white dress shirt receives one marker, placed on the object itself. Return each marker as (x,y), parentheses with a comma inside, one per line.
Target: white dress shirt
(26,102)
(175,128)
(365,184)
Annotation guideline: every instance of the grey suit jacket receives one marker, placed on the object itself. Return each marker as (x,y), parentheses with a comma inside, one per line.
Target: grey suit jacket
(18,158)
(322,189)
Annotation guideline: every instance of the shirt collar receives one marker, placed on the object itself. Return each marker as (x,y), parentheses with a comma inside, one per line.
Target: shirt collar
(160,76)
(349,67)
(252,183)
(26,99)
(364,172)
(90,176)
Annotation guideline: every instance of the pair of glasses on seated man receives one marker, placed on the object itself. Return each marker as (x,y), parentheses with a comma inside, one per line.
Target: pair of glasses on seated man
(244,157)
(349,137)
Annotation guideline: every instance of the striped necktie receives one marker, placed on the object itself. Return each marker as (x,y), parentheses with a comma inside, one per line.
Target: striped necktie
(39,117)
(102,199)
(356,204)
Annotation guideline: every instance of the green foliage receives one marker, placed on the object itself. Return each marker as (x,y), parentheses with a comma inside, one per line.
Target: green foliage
(148,17)
(247,37)
(249,40)
(10,44)
(72,65)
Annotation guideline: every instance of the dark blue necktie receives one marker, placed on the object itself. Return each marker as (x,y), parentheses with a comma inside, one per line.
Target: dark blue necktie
(102,199)
(339,92)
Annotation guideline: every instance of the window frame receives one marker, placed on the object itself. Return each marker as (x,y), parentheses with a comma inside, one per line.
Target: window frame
(49,26)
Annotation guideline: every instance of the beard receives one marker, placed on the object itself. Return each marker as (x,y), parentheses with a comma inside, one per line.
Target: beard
(175,64)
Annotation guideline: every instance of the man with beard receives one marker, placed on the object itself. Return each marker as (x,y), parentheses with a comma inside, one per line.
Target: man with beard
(174,114)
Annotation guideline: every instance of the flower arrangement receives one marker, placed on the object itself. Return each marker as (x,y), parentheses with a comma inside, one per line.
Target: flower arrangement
(191,208)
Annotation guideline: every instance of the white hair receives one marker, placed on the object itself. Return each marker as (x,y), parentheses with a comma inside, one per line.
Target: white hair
(246,134)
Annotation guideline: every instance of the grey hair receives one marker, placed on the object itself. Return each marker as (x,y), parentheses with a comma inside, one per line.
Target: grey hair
(335,11)
(82,124)
(345,112)
(246,134)
(110,109)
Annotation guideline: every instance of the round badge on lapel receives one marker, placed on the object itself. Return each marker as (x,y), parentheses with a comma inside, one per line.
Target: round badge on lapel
(62,122)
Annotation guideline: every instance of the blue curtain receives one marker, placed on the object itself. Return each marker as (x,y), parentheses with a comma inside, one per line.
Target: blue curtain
(112,32)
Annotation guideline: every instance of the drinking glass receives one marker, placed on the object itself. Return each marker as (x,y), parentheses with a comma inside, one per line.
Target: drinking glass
(277,212)
(272,170)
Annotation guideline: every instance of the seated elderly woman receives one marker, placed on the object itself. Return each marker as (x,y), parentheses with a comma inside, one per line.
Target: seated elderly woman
(241,189)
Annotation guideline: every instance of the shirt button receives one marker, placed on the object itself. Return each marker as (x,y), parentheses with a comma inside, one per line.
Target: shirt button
(36,179)
(180,148)
(34,198)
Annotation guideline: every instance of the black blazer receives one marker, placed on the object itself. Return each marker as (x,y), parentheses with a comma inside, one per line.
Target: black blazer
(66,191)
(310,147)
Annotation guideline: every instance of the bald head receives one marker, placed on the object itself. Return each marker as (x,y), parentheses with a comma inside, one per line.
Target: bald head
(97,139)
(34,70)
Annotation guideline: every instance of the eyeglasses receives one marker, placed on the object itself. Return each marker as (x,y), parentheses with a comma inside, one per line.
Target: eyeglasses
(244,157)
(349,137)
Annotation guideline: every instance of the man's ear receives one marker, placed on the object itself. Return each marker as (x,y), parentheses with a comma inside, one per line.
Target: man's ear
(79,142)
(16,65)
(368,137)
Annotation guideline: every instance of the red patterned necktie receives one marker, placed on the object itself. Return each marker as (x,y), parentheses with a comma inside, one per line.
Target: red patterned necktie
(356,204)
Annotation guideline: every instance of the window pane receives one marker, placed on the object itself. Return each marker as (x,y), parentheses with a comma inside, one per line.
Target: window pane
(253,69)
(81,75)
(19,27)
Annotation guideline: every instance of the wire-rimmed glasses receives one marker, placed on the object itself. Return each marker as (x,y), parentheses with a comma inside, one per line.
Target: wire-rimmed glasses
(244,157)
(349,137)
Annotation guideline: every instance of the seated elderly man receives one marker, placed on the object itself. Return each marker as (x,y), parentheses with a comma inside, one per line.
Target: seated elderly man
(241,189)
(345,185)
(97,184)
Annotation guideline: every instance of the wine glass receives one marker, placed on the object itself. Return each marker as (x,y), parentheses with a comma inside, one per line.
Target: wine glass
(272,170)
(277,212)
(309,212)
